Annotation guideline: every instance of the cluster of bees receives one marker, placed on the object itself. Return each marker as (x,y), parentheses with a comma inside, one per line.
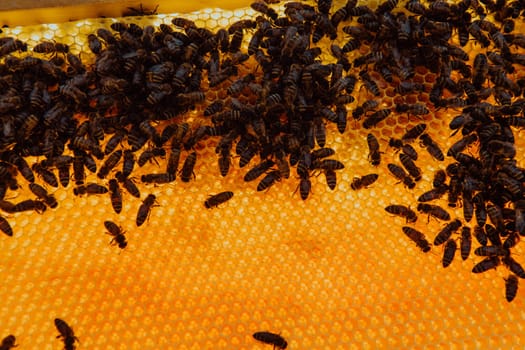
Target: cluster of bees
(126,109)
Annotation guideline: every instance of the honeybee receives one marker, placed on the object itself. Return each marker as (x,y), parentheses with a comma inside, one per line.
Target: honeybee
(511,287)
(217,199)
(90,188)
(447,231)
(434,210)
(374,155)
(414,132)
(488,263)
(466,242)
(41,193)
(66,333)
(110,162)
(187,167)
(364,181)
(117,233)
(145,209)
(267,181)
(403,211)
(417,237)
(5,228)
(271,338)
(449,252)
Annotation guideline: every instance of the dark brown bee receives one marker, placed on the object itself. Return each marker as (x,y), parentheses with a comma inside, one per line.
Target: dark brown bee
(369,83)
(433,194)
(514,266)
(264,9)
(271,338)
(414,108)
(5,228)
(410,166)
(495,216)
(492,250)
(376,117)
(145,209)
(217,199)
(41,193)
(440,177)
(364,181)
(258,170)
(405,148)
(157,178)
(447,231)
(488,263)
(407,87)
(117,233)
(46,175)
(417,237)
(466,242)
(109,164)
(115,195)
(267,181)
(66,333)
(460,145)
(434,210)
(90,188)
(331,178)
(187,167)
(30,204)
(414,132)
(511,287)
(128,184)
(374,155)
(8,342)
(400,174)
(328,164)
(480,235)
(432,147)
(150,154)
(51,47)
(403,211)
(364,108)
(449,252)
(94,44)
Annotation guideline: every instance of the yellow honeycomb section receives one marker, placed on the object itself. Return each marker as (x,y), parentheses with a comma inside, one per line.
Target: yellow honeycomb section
(332,272)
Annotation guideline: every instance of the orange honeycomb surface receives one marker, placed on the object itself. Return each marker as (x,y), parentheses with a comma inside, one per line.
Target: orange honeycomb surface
(332,272)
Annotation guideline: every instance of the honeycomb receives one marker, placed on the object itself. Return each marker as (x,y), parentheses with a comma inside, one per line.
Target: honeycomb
(332,272)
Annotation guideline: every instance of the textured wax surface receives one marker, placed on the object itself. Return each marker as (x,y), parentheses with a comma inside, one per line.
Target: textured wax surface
(332,272)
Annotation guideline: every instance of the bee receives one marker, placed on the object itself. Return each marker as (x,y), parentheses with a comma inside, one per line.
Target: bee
(447,231)
(414,108)
(264,9)
(400,174)
(496,216)
(258,170)
(433,194)
(271,338)
(417,237)
(214,108)
(460,145)
(66,333)
(407,87)
(267,181)
(486,264)
(364,108)
(115,195)
(150,154)
(90,188)
(376,117)
(493,250)
(403,211)
(374,155)
(331,178)
(405,148)
(158,178)
(414,132)
(410,166)
(501,148)
(328,164)
(5,228)
(109,164)
(440,177)
(117,233)
(46,175)
(514,266)
(432,147)
(480,235)
(449,252)
(8,342)
(128,184)
(50,47)
(511,287)
(216,200)
(364,181)
(466,242)
(78,170)
(369,83)
(434,210)
(145,209)
(187,167)
(41,193)
(30,204)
